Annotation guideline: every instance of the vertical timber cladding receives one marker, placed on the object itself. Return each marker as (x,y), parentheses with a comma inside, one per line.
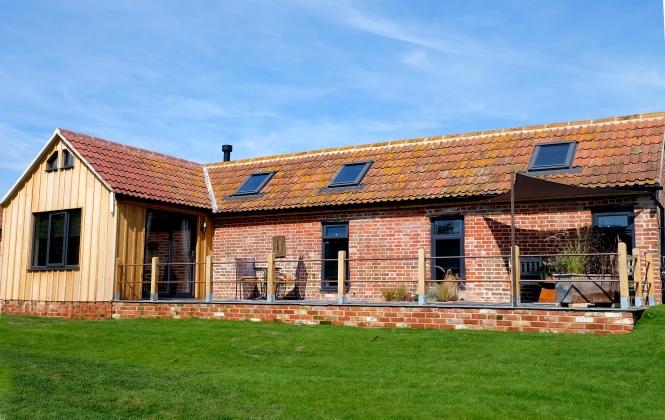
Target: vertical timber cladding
(131,244)
(73,188)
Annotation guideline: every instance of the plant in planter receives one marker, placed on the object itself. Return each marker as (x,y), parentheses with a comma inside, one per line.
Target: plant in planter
(397,294)
(581,276)
(446,291)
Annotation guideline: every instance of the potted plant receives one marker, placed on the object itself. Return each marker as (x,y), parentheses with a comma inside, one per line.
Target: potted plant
(581,277)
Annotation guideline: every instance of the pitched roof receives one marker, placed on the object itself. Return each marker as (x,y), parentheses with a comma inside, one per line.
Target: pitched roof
(613,152)
(142,173)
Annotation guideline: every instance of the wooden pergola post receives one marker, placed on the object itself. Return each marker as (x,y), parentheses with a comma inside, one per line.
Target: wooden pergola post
(515,276)
(624,290)
(118,279)
(637,276)
(341,277)
(422,285)
(154,274)
(652,292)
(208,277)
(271,278)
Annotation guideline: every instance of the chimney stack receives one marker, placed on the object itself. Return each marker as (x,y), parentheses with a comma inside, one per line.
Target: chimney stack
(227,149)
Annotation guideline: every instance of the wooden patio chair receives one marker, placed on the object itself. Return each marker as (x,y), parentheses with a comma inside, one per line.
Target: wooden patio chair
(248,285)
(283,283)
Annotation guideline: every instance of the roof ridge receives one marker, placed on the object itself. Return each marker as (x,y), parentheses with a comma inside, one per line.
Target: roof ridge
(580,123)
(132,148)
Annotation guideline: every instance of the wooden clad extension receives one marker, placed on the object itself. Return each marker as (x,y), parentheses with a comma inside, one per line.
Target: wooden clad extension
(130,247)
(42,191)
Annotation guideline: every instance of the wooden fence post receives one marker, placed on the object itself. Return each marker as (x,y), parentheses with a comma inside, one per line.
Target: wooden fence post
(422,284)
(517,275)
(208,277)
(154,273)
(271,278)
(652,291)
(118,279)
(637,276)
(623,276)
(341,277)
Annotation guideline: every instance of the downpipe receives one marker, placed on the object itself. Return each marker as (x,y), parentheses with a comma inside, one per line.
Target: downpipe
(661,229)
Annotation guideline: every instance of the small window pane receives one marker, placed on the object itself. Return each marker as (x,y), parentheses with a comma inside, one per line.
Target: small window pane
(552,155)
(613,221)
(350,174)
(336,231)
(52,162)
(74,239)
(448,227)
(68,159)
(41,240)
(57,239)
(254,183)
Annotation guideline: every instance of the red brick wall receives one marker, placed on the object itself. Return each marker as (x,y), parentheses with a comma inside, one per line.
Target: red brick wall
(525,320)
(66,310)
(396,233)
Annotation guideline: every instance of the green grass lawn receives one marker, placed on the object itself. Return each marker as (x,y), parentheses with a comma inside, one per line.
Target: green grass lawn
(222,369)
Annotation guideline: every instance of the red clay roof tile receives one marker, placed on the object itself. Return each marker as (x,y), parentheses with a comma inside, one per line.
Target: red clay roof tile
(462,165)
(141,173)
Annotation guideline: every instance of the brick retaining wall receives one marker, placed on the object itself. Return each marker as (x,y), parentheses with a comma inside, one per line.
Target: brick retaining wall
(66,310)
(390,316)
(526,320)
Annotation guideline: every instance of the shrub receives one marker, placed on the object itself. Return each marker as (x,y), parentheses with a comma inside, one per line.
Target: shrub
(398,293)
(447,290)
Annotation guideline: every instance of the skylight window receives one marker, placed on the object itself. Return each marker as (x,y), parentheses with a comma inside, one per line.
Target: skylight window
(557,155)
(254,183)
(52,162)
(67,159)
(350,174)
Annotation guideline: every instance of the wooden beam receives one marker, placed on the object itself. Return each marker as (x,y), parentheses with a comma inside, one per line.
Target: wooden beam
(623,276)
(637,276)
(271,277)
(154,273)
(341,277)
(422,270)
(208,277)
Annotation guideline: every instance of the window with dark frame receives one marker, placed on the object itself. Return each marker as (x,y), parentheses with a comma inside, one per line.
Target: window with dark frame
(52,162)
(335,238)
(350,174)
(56,240)
(254,183)
(67,159)
(613,227)
(447,243)
(552,156)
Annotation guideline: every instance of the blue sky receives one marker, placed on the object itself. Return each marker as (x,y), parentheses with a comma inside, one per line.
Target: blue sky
(273,77)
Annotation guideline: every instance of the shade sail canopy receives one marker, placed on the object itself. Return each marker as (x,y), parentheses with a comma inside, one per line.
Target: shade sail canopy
(527,187)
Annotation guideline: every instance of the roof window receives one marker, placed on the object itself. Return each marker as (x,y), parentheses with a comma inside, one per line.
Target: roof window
(52,162)
(350,174)
(254,183)
(67,159)
(558,155)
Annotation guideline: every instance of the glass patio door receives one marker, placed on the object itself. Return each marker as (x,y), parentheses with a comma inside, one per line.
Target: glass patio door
(172,238)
